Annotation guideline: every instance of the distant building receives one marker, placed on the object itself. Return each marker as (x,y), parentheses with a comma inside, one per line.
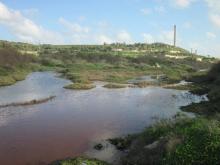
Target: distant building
(117,50)
(199,59)
(175,51)
(176,57)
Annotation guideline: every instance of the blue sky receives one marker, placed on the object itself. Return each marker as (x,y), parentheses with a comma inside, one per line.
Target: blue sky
(99,21)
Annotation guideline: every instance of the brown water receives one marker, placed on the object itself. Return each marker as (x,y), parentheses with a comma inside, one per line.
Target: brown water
(68,125)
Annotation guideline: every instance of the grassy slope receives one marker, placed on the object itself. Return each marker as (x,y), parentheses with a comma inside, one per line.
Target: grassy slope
(180,141)
(113,63)
(107,63)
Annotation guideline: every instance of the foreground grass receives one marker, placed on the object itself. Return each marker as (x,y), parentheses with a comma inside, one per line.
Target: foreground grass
(180,141)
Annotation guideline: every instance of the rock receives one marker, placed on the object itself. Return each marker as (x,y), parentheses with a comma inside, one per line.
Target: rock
(172,143)
(98,146)
(152,145)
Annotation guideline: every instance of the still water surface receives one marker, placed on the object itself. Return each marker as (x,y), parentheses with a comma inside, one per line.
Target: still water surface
(68,125)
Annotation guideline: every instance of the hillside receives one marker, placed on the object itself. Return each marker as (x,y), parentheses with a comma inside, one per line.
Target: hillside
(111,63)
(115,49)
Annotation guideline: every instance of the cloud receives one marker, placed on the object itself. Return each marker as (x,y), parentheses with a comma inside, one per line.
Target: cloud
(104,39)
(166,37)
(32,12)
(146,11)
(214,11)
(215,19)
(148,38)
(163,36)
(160,9)
(78,34)
(124,36)
(187,25)
(156,9)
(82,18)
(73,27)
(75,33)
(194,45)
(202,47)
(214,5)
(210,35)
(182,3)
(24,28)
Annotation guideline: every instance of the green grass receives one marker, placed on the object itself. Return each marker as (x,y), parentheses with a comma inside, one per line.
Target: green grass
(201,143)
(80,86)
(181,141)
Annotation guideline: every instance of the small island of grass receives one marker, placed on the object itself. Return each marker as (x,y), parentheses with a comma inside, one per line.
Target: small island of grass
(114,85)
(144,84)
(80,86)
(31,102)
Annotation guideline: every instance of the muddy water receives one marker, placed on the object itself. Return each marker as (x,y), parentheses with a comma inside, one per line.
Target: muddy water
(69,124)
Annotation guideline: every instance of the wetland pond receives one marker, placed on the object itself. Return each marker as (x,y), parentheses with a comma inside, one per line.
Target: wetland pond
(70,124)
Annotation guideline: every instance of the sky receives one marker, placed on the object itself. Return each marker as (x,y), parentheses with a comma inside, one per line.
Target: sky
(109,21)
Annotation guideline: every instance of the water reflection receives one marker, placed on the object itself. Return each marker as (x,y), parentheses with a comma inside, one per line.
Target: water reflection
(37,85)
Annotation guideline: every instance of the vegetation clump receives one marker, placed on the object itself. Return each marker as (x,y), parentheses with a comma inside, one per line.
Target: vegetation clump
(122,143)
(32,102)
(114,85)
(144,84)
(14,66)
(80,86)
(98,146)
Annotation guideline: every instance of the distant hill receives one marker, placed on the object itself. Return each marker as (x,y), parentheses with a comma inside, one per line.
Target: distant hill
(131,50)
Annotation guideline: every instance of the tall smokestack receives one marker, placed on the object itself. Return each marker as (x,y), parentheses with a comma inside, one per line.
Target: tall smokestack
(174,39)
